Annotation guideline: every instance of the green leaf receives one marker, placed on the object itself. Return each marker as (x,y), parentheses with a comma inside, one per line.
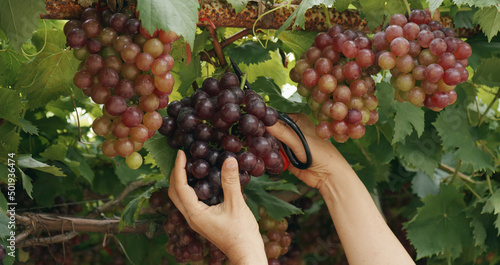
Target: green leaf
(440,226)
(133,208)
(238,5)
(489,20)
(341,5)
(478,3)
(50,74)
(26,161)
(162,153)
(373,12)
(9,139)
(239,53)
(10,61)
(276,100)
(28,127)
(434,4)
(493,206)
(271,68)
(127,175)
(486,74)
(423,153)
(27,185)
(10,105)
(18,19)
(299,12)
(453,127)
(482,49)
(178,16)
(55,152)
(464,19)
(408,117)
(424,185)
(385,96)
(256,194)
(4,224)
(297,42)
(189,74)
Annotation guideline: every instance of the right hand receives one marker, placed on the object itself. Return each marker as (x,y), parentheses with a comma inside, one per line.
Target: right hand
(326,160)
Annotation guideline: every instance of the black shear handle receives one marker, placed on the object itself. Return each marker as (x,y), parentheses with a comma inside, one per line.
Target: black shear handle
(293,159)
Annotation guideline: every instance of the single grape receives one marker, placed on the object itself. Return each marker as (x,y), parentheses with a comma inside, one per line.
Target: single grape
(134,160)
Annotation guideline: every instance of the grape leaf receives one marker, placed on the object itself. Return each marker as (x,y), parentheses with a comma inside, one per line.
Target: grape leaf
(276,100)
(28,127)
(133,208)
(453,128)
(408,117)
(26,161)
(341,5)
(423,153)
(493,206)
(239,53)
(27,185)
(127,175)
(434,4)
(238,5)
(482,49)
(424,185)
(489,20)
(478,3)
(464,19)
(19,19)
(9,139)
(3,200)
(443,217)
(296,42)
(10,105)
(299,14)
(162,153)
(373,12)
(55,152)
(178,16)
(385,96)
(256,194)
(50,74)
(189,74)
(271,68)
(10,61)
(486,74)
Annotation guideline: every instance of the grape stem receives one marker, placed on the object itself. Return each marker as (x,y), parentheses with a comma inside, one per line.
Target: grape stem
(217,46)
(206,55)
(488,179)
(461,175)
(455,174)
(481,119)
(243,81)
(407,6)
(327,15)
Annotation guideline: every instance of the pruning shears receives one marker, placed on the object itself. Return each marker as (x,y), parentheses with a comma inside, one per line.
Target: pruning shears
(288,121)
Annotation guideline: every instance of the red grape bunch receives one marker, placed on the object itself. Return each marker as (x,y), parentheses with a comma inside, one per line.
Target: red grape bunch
(426,61)
(334,76)
(219,121)
(127,70)
(276,239)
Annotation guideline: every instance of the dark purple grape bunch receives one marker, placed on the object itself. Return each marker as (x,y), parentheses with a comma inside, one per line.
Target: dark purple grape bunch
(219,121)
(426,61)
(334,76)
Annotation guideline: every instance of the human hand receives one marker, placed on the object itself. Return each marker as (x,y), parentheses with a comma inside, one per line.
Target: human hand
(326,159)
(229,225)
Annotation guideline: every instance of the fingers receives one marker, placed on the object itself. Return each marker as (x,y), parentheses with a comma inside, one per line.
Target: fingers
(179,191)
(288,136)
(231,182)
(305,124)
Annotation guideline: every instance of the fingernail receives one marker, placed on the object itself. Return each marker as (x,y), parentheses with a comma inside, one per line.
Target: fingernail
(230,164)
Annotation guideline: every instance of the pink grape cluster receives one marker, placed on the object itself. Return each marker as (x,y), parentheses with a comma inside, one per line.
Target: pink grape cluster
(218,121)
(334,76)
(426,61)
(276,239)
(127,70)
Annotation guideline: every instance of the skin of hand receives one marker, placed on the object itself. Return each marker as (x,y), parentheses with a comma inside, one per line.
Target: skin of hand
(324,154)
(229,225)
(365,236)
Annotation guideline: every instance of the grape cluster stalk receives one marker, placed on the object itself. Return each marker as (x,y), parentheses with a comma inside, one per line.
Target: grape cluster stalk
(127,70)
(334,76)
(218,121)
(426,61)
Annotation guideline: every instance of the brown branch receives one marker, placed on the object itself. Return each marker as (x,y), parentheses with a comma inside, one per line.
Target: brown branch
(451,170)
(217,46)
(54,223)
(205,56)
(222,15)
(43,241)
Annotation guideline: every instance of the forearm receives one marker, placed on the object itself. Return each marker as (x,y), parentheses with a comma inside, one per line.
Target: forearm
(256,257)
(364,234)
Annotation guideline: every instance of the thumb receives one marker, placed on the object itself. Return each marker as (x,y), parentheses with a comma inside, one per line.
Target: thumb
(230,178)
